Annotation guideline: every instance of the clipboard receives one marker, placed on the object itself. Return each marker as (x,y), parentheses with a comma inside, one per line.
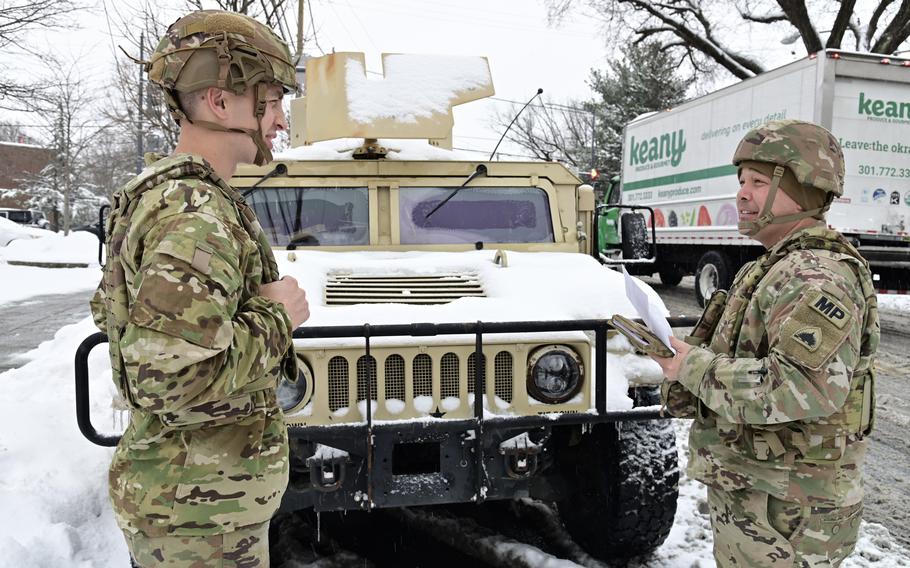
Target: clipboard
(640,336)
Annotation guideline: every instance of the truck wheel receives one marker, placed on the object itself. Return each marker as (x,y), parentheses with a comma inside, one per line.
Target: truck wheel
(624,489)
(671,275)
(712,273)
(634,236)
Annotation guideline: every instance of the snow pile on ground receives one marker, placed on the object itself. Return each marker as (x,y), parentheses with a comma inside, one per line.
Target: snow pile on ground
(53,490)
(77,247)
(10,231)
(894,302)
(343,149)
(40,246)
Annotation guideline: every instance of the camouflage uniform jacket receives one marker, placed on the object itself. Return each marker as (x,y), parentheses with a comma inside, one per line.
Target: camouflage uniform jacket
(780,385)
(196,354)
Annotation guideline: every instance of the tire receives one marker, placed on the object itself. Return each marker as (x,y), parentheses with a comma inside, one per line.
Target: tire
(670,274)
(623,488)
(634,235)
(713,273)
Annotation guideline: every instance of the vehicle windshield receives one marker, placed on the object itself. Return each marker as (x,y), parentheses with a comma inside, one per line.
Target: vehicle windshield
(310,216)
(490,215)
(339,216)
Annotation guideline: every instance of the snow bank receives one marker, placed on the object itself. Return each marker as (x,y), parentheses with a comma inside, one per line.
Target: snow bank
(47,246)
(10,231)
(37,245)
(53,490)
(894,302)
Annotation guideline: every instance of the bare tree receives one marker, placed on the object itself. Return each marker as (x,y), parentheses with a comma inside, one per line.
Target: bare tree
(552,131)
(17,19)
(709,33)
(66,111)
(645,79)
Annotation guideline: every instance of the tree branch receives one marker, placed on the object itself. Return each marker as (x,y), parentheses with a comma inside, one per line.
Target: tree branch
(740,66)
(841,23)
(798,15)
(873,21)
(896,32)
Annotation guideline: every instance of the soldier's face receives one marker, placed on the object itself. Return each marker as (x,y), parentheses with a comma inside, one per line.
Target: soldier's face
(273,120)
(753,192)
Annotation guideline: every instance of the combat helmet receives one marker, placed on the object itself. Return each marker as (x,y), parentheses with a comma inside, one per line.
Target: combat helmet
(811,154)
(227,50)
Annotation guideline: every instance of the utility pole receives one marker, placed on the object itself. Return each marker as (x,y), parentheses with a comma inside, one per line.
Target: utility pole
(299,32)
(140,151)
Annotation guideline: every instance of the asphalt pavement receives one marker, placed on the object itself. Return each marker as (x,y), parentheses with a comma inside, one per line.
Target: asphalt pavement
(27,323)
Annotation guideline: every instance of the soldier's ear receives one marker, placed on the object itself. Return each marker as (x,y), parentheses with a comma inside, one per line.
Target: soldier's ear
(215,102)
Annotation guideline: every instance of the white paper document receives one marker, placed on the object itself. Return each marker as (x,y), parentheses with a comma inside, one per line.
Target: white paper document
(648,311)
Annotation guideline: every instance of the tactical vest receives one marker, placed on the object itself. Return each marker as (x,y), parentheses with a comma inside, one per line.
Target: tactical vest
(114,283)
(827,437)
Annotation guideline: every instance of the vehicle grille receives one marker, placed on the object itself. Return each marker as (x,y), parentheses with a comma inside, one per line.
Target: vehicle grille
(345,289)
(406,376)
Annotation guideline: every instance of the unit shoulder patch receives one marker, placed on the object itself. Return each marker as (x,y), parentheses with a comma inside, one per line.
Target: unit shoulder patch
(816,328)
(809,337)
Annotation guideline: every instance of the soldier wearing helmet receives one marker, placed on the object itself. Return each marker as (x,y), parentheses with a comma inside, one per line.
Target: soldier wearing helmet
(778,374)
(199,322)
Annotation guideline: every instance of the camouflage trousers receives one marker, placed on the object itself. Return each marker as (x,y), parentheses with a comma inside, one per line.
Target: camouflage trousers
(246,547)
(755,530)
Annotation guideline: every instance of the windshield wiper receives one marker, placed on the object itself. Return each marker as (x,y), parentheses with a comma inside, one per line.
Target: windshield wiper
(480,170)
(278,170)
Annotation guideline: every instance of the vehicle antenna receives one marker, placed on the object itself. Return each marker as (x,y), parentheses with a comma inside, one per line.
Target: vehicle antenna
(279,170)
(493,153)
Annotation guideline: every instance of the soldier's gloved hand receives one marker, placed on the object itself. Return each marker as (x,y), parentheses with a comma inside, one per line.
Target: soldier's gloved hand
(288,293)
(671,365)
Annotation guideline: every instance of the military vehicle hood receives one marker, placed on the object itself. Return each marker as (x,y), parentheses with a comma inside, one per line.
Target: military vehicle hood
(353,288)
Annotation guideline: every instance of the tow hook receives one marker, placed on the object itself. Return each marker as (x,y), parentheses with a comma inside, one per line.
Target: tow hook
(520,455)
(327,468)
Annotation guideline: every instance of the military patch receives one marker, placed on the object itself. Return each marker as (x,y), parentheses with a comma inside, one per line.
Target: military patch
(825,304)
(809,337)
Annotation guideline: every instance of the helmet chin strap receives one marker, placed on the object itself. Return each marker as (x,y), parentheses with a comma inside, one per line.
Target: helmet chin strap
(765,218)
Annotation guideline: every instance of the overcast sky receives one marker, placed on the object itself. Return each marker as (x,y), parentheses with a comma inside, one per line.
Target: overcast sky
(524,51)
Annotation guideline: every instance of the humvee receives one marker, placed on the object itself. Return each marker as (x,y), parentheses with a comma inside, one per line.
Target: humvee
(458,346)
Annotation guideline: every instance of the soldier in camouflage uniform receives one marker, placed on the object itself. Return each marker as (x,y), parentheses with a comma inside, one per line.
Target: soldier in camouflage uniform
(778,374)
(199,322)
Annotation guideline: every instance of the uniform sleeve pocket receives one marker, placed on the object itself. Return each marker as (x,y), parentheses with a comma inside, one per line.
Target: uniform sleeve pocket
(187,289)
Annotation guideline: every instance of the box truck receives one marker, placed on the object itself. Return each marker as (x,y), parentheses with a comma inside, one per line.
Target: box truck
(677,178)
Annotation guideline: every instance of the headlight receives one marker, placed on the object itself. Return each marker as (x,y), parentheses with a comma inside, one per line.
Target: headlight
(554,374)
(296,393)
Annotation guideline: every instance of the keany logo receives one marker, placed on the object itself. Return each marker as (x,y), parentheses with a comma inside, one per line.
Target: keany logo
(831,309)
(878,107)
(669,146)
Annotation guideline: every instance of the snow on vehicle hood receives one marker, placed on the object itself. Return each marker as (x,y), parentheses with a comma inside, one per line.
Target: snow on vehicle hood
(534,286)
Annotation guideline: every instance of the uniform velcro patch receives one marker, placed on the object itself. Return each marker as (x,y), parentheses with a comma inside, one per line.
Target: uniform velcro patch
(829,307)
(816,328)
